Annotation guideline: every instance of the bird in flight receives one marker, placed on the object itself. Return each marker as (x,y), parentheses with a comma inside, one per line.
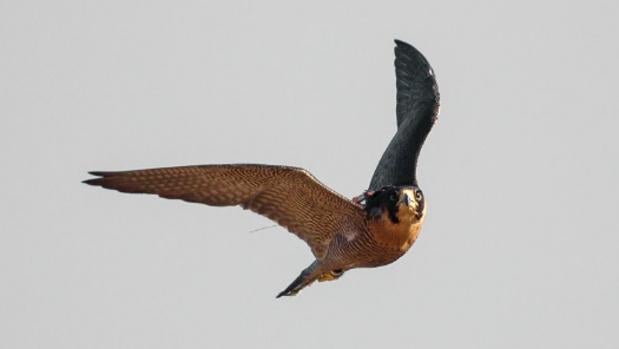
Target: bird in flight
(373,229)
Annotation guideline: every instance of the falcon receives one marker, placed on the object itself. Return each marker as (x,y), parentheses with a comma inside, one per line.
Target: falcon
(373,229)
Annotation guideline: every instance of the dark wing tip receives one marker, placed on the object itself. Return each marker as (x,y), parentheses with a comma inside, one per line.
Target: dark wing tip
(402,47)
(101,176)
(104,173)
(399,42)
(93,181)
(409,58)
(415,81)
(116,181)
(405,46)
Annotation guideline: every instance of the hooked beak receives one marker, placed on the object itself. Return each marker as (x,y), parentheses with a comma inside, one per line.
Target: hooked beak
(410,202)
(407,200)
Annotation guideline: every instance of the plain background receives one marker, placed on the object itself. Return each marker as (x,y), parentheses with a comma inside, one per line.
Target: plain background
(520,248)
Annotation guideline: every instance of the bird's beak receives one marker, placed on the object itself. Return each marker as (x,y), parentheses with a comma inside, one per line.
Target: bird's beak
(406,200)
(411,203)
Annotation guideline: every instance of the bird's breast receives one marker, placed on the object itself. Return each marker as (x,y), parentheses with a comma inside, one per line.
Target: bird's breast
(398,236)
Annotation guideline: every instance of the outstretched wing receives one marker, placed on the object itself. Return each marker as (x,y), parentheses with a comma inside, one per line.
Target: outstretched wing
(417,110)
(290,196)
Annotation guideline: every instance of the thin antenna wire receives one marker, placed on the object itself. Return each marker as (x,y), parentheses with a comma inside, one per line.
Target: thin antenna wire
(263,228)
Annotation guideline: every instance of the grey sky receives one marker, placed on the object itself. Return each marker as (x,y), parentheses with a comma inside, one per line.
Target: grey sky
(520,246)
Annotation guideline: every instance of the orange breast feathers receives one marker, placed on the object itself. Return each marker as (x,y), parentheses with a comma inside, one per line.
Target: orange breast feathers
(397,236)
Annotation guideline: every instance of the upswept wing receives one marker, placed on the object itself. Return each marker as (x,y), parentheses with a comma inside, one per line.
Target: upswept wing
(290,196)
(417,110)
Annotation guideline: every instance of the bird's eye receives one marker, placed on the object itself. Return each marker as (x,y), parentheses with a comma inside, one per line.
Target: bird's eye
(418,195)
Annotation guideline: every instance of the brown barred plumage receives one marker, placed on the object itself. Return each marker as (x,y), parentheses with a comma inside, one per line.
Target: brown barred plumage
(371,230)
(290,196)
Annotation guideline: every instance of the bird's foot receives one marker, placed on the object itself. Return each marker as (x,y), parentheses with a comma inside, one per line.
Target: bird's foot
(332,275)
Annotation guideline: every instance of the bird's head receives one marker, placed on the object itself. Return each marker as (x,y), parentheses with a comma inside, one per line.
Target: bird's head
(405,204)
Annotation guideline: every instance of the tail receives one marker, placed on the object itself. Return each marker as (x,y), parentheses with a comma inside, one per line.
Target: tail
(306,278)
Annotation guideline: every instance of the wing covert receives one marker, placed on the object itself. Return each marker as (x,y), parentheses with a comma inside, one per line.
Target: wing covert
(290,196)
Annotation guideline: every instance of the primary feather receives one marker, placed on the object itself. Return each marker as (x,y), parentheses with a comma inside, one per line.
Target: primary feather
(416,111)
